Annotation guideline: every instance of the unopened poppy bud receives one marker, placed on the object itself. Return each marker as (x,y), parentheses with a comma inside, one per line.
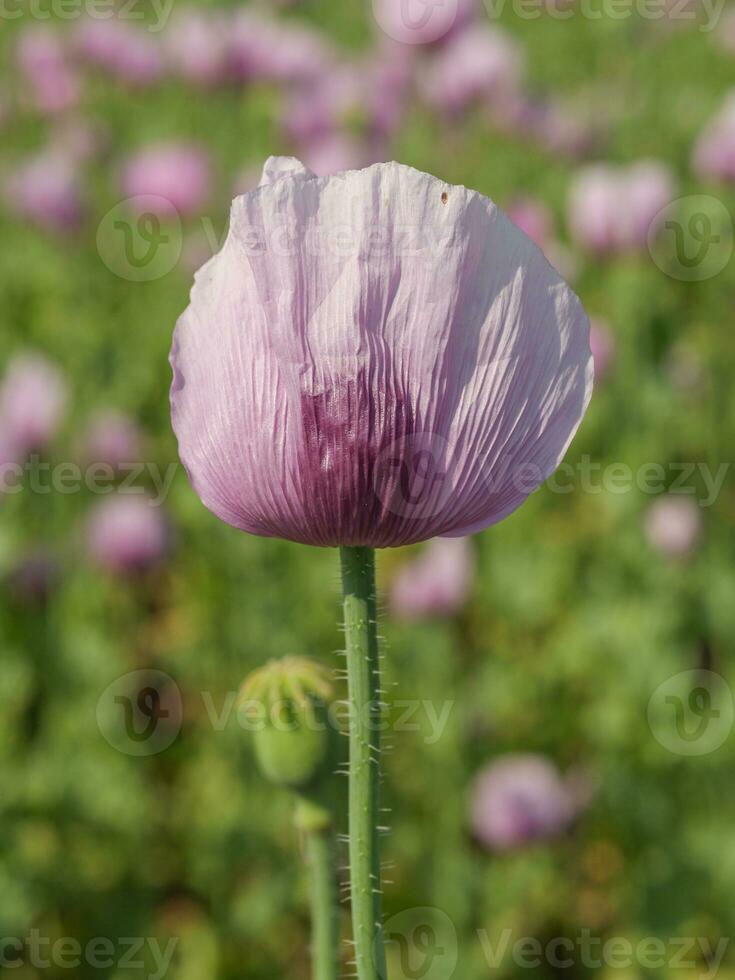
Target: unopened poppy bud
(289,700)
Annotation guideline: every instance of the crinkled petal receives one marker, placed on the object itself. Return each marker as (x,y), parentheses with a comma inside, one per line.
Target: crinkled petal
(375,358)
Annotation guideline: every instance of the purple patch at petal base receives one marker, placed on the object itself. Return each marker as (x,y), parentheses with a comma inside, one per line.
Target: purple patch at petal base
(346,433)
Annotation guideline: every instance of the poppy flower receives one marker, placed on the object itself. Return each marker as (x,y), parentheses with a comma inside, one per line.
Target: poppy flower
(602,342)
(177,173)
(49,80)
(615,209)
(126,534)
(673,526)
(714,151)
(373,359)
(33,397)
(46,190)
(437,583)
(119,50)
(519,799)
(481,64)
(112,439)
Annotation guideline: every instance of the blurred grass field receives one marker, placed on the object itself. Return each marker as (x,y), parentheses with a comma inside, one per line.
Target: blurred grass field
(573,623)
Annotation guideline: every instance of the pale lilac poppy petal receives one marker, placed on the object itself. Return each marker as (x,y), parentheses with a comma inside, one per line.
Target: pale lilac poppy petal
(277,167)
(375,358)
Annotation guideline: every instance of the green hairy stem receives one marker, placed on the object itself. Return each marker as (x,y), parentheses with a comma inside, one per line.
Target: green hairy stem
(363,676)
(320,857)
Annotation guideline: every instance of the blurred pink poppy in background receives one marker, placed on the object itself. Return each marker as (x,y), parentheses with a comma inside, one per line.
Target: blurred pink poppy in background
(179,173)
(195,46)
(263,50)
(602,343)
(417,22)
(362,101)
(566,129)
(113,439)
(46,190)
(300,55)
(126,534)
(613,208)
(726,30)
(479,64)
(387,79)
(318,110)
(534,219)
(333,154)
(119,50)
(33,397)
(49,80)
(714,151)
(558,127)
(673,525)
(520,799)
(437,583)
